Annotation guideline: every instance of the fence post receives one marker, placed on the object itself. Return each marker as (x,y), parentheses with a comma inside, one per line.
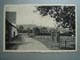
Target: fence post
(52,36)
(65,44)
(58,37)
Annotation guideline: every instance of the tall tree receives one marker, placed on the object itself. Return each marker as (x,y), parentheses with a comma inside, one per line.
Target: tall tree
(21,28)
(64,14)
(36,30)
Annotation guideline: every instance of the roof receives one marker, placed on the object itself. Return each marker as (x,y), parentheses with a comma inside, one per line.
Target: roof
(11,24)
(11,17)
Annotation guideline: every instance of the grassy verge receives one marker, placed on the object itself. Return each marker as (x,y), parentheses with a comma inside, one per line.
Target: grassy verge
(62,45)
(13,44)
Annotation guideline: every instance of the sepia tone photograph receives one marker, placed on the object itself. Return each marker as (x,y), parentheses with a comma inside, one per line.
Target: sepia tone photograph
(40,28)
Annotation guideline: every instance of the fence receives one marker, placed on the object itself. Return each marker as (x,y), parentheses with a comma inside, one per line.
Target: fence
(56,40)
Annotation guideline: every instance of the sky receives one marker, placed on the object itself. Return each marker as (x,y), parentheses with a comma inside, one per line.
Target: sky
(25,15)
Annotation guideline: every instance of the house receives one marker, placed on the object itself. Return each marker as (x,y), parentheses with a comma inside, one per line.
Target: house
(10,24)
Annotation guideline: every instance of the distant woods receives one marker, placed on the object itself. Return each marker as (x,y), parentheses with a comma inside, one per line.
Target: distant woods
(35,30)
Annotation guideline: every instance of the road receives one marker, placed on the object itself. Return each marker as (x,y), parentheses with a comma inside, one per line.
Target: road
(30,44)
(24,42)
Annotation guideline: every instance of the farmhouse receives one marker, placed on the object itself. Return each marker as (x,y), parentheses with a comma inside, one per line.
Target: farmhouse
(11,29)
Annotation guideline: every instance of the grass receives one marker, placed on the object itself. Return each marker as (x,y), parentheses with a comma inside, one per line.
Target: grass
(46,40)
(12,45)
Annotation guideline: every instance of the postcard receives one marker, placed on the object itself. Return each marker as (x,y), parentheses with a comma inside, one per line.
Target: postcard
(40,28)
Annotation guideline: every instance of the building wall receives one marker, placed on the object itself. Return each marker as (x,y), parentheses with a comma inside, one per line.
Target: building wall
(8,31)
(14,32)
(11,30)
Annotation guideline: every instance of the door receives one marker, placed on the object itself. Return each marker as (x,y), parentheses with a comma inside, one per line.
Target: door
(14,34)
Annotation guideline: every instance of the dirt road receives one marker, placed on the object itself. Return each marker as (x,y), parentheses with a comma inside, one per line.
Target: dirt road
(30,44)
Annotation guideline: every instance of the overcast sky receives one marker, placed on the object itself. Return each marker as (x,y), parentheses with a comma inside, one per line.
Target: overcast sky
(25,15)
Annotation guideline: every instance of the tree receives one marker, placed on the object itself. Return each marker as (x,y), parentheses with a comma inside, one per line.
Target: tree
(21,28)
(28,30)
(43,30)
(36,30)
(64,14)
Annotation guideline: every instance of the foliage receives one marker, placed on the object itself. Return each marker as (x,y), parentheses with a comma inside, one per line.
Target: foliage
(64,14)
(21,28)
(36,30)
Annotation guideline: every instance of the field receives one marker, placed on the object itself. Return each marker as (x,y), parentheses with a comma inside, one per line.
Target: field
(66,42)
